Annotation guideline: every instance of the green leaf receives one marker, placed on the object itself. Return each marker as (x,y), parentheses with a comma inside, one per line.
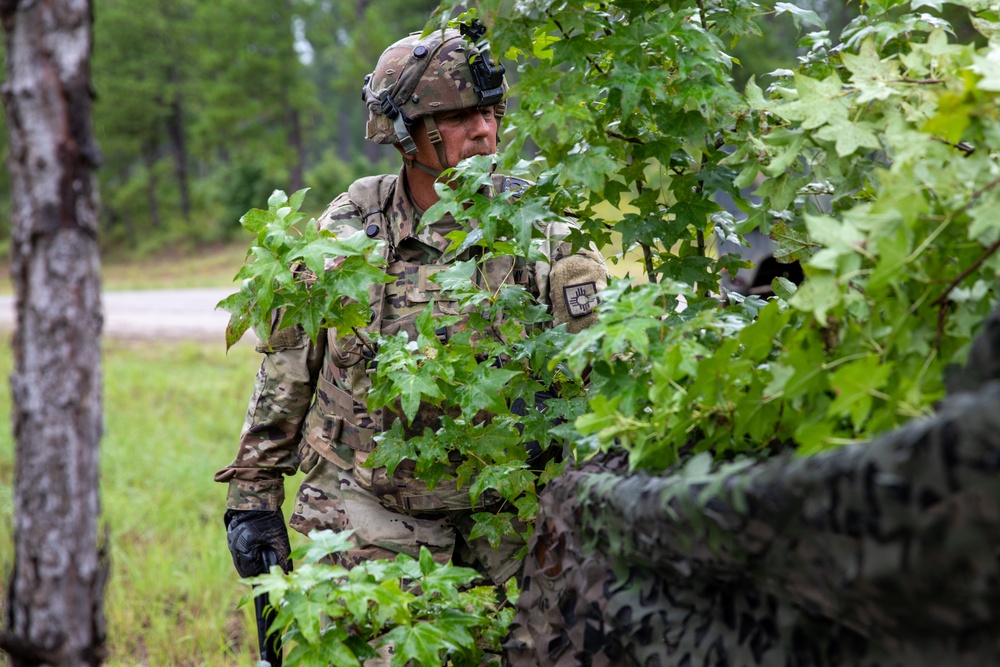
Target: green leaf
(849,137)
(799,15)
(755,97)
(510,480)
(783,287)
(445,579)
(352,279)
(322,543)
(255,220)
(819,102)
(412,389)
(855,384)
(758,339)
(494,527)
(954,114)
(456,277)
(307,312)
(817,295)
(483,390)
(423,643)
(988,67)
(295,201)
(791,244)
(277,199)
(870,73)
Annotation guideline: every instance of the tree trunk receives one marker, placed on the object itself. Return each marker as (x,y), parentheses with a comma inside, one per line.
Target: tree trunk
(345,142)
(149,158)
(55,609)
(175,130)
(296,173)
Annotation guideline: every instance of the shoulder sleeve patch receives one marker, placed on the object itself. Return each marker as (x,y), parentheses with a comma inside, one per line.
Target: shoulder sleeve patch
(581,298)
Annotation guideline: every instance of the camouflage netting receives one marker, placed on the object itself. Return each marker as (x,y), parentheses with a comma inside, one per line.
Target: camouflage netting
(878,554)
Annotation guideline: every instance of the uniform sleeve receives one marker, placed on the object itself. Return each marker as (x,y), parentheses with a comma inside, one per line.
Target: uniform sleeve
(269,443)
(571,282)
(282,395)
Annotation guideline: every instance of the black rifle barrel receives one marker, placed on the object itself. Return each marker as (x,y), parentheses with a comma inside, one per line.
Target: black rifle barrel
(270,646)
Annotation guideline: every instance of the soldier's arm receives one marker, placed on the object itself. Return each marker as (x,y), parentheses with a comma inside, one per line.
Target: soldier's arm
(269,442)
(283,391)
(572,281)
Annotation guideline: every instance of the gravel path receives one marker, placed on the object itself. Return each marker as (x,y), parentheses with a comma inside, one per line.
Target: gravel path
(174,314)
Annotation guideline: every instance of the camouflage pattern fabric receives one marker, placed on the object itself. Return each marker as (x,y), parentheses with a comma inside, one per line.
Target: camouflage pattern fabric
(876,554)
(308,409)
(437,80)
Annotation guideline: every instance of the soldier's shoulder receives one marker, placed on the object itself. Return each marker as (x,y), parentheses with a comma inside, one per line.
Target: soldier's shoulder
(344,215)
(341,216)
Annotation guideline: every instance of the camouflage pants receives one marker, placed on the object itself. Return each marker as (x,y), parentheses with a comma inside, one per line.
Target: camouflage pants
(329,498)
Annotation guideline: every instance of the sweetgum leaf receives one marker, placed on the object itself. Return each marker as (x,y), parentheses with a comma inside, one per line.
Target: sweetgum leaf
(423,643)
(491,526)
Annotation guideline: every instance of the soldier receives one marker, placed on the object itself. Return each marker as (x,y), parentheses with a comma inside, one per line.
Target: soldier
(437,99)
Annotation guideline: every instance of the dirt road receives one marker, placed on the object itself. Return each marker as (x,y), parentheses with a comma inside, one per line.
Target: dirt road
(176,314)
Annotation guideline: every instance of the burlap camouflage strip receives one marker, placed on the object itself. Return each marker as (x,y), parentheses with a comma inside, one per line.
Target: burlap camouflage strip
(876,554)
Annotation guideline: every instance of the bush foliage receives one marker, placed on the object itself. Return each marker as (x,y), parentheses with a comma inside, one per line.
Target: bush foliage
(868,159)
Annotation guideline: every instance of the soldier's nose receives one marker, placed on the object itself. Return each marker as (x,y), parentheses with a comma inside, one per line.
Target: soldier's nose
(479,126)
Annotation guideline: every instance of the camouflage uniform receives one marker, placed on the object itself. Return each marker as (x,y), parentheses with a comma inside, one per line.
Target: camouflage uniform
(883,553)
(308,410)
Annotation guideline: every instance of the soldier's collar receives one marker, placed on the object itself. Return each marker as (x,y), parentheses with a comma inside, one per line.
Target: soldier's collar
(406,220)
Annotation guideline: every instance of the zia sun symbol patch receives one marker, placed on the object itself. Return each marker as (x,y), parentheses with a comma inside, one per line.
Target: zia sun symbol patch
(581,298)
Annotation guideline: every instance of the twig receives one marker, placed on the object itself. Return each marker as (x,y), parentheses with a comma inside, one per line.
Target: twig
(364,340)
(966,273)
(566,36)
(631,140)
(962,146)
(647,260)
(942,301)
(647,251)
(924,82)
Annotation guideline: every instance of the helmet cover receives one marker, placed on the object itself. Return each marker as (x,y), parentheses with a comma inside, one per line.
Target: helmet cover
(420,76)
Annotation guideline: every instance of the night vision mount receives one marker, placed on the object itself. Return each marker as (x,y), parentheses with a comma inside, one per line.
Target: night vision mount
(487,78)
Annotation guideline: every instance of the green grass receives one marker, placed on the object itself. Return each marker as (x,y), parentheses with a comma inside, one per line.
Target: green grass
(173,414)
(178,268)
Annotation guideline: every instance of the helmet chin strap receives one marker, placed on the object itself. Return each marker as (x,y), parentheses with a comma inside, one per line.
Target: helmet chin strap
(420,166)
(434,136)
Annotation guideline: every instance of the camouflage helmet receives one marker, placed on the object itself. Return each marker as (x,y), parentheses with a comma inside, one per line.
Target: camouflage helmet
(420,76)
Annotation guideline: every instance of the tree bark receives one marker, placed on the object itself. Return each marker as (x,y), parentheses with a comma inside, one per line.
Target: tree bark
(178,146)
(345,141)
(55,610)
(149,159)
(296,173)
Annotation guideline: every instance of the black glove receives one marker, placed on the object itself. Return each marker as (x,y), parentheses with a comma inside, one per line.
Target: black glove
(249,533)
(520,408)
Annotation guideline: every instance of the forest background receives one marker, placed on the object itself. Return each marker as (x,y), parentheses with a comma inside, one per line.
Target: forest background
(204,108)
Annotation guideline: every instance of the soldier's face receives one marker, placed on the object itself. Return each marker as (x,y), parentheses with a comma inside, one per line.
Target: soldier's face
(465,133)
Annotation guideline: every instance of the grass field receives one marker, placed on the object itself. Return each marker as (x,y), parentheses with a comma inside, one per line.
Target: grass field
(211,266)
(173,414)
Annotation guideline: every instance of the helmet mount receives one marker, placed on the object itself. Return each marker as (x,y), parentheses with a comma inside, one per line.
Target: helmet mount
(487,78)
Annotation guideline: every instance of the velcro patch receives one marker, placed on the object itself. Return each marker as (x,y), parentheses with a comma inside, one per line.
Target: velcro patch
(581,298)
